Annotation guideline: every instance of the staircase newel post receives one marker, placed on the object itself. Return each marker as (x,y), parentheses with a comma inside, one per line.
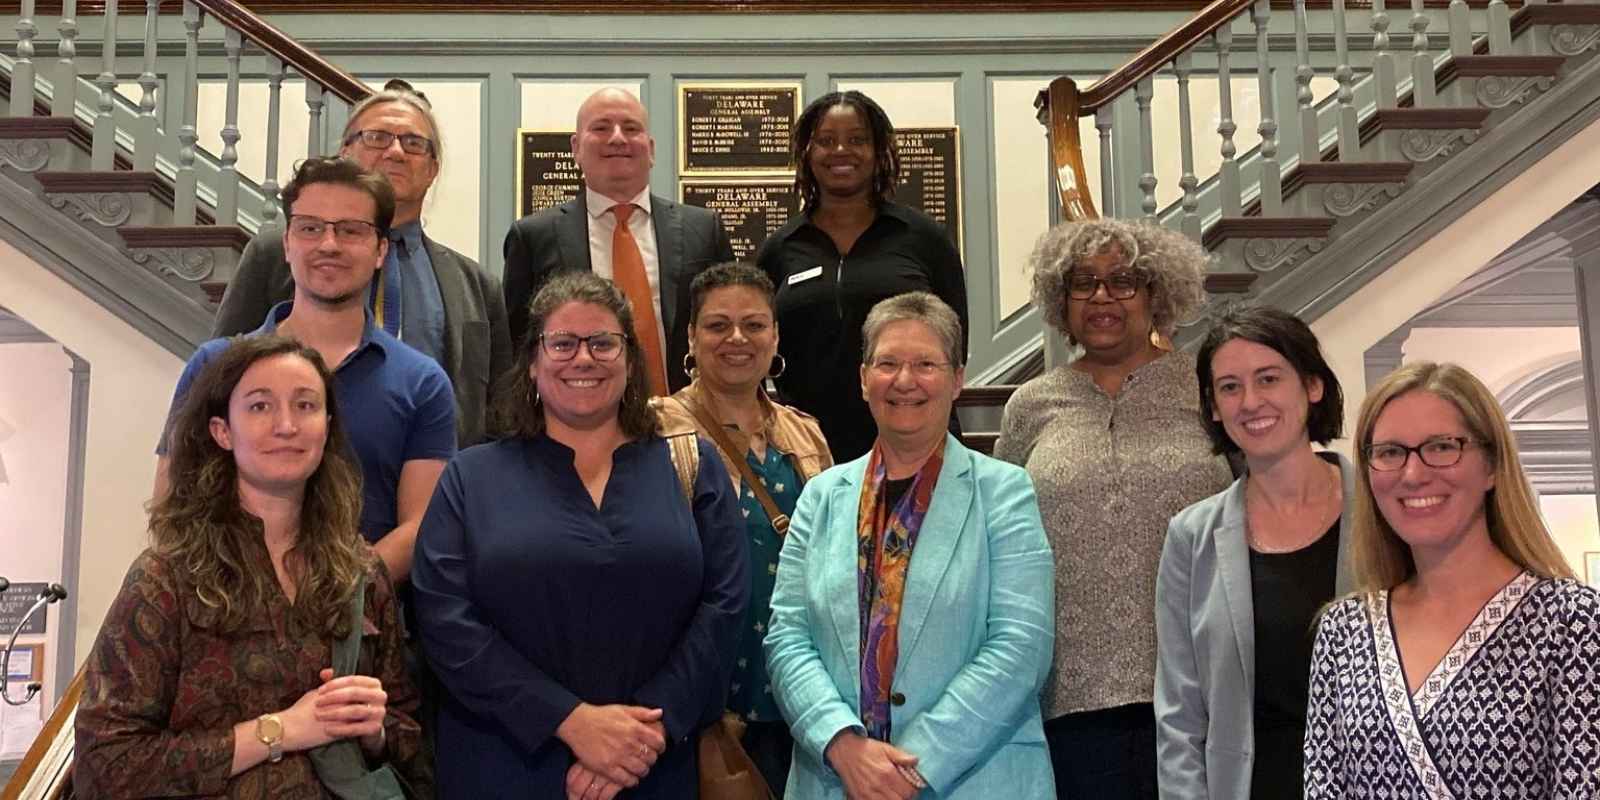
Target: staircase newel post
(269,182)
(1143,91)
(22,72)
(1349,133)
(104,146)
(145,141)
(1383,76)
(1422,85)
(64,97)
(228,173)
(1183,66)
(183,202)
(1228,173)
(1310,141)
(314,107)
(1271,176)
(1499,28)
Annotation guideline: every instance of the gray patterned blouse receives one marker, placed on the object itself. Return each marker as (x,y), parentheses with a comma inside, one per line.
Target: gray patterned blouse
(1110,473)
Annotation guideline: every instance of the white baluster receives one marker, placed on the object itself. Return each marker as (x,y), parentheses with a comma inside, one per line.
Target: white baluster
(103,152)
(1382,61)
(22,74)
(1142,92)
(269,182)
(64,96)
(1271,177)
(145,133)
(228,171)
(1310,142)
(1499,28)
(1182,66)
(1228,173)
(314,106)
(1349,133)
(1422,86)
(1108,192)
(1460,28)
(183,202)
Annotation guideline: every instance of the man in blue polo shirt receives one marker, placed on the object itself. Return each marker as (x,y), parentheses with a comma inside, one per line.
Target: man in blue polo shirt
(396,403)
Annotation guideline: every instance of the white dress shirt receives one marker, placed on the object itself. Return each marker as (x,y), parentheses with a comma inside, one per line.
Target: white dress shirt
(603,224)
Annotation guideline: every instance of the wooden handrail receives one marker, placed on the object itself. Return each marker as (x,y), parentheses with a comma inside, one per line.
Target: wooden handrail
(304,61)
(52,730)
(1160,53)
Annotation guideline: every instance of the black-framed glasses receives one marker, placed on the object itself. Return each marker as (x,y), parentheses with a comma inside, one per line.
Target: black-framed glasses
(1440,451)
(1120,285)
(563,345)
(924,368)
(348,231)
(414,143)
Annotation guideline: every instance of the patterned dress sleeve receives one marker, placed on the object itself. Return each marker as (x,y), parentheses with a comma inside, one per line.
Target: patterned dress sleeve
(1325,737)
(124,748)
(403,746)
(1575,699)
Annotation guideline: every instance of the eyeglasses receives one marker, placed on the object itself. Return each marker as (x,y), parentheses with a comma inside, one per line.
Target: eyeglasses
(563,345)
(1120,285)
(856,142)
(1443,451)
(413,143)
(347,231)
(890,367)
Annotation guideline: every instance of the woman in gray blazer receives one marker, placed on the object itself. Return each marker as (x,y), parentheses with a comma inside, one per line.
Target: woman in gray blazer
(1244,572)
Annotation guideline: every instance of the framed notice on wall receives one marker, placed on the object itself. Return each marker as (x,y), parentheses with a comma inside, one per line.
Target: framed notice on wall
(750,210)
(930,175)
(736,127)
(547,174)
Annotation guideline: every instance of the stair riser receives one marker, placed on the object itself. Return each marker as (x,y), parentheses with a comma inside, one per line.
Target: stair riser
(188,268)
(1496,92)
(1340,200)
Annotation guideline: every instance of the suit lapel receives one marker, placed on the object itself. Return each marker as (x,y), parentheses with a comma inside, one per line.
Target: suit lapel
(1233,562)
(572,234)
(844,603)
(453,293)
(669,257)
(942,529)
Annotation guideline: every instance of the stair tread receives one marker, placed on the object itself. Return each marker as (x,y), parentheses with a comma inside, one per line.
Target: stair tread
(185,236)
(1265,228)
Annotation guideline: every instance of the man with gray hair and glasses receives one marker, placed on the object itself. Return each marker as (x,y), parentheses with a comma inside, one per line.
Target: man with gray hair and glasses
(427,295)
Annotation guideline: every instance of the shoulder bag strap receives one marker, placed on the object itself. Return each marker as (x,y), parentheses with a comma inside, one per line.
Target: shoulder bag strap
(780,520)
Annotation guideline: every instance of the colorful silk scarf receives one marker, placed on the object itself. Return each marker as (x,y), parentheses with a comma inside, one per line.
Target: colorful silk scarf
(885,537)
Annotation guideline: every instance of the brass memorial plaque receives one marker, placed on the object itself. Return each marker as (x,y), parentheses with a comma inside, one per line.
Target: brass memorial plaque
(930,175)
(750,209)
(743,128)
(547,174)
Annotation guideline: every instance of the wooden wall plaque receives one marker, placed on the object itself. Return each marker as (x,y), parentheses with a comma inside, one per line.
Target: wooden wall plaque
(736,127)
(930,175)
(547,174)
(750,209)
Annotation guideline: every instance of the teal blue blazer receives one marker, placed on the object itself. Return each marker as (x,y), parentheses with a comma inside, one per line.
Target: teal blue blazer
(976,631)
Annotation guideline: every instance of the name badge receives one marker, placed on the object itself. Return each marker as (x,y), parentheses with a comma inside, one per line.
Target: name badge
(805,275)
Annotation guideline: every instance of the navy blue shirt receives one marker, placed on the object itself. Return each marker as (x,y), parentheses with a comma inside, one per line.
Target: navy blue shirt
(395,404)
(530,599)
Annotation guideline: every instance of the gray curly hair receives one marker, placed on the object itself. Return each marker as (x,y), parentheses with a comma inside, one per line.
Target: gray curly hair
(1174,264)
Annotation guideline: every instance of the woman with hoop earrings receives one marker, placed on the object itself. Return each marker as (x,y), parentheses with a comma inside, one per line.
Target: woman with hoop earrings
(771,450)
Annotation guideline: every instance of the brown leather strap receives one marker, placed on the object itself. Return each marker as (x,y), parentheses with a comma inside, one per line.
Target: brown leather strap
(780,520)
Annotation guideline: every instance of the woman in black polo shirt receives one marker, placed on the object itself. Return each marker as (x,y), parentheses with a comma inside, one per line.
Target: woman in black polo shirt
(850,247)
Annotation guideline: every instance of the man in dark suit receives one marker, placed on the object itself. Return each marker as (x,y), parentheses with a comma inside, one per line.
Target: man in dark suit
(655,252)
(432,298)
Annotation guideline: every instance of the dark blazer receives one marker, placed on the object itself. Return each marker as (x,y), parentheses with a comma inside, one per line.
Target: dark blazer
(688,240)
(477,347)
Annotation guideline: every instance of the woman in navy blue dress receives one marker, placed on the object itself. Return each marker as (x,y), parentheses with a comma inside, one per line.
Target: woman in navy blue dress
(579,608)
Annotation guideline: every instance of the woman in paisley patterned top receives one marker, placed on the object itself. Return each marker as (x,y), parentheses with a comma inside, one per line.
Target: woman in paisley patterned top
(733,338)
(211,674)
(1466,665)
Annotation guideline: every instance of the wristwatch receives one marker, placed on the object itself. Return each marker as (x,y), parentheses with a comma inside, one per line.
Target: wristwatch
(269,731)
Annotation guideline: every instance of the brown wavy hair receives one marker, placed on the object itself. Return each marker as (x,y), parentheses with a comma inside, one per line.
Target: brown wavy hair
(518,411)
(203,530)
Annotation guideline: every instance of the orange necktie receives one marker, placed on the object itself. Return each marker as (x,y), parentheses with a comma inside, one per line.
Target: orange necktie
(627,270)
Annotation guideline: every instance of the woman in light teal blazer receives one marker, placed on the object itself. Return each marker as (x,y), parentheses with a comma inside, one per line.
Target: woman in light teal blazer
(1244,572)
(912,620)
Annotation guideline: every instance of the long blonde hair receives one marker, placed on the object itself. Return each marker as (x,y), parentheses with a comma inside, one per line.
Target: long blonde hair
(1380,558)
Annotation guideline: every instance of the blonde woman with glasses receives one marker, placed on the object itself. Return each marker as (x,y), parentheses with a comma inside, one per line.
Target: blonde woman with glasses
(1468,662)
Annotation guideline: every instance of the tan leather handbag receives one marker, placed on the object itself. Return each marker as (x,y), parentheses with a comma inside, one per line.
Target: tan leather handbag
(726,770)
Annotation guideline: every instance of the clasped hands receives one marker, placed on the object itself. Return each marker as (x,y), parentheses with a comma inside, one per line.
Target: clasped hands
(615,747)
(873,770)
(341,708)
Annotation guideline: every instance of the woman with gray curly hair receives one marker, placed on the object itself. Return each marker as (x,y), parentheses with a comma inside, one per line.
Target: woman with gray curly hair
(1116,446)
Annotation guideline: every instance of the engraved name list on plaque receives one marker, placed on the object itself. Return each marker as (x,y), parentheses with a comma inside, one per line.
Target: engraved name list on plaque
(736,128)
(930,175)
(750,210)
